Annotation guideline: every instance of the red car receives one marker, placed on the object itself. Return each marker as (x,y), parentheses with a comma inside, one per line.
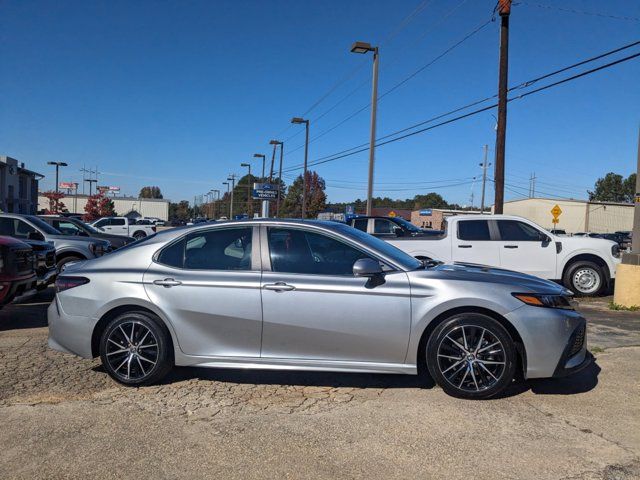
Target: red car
(17,270)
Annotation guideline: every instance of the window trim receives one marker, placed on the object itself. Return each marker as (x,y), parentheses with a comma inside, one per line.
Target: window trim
(255,250)
(266,254)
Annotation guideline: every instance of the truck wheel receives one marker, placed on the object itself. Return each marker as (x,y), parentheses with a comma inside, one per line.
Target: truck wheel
(138,235)
(584,278)
(63,261)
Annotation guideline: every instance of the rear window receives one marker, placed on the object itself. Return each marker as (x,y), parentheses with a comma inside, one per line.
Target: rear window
(473,230)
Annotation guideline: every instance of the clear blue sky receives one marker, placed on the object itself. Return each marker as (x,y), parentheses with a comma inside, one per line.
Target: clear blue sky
(178,94)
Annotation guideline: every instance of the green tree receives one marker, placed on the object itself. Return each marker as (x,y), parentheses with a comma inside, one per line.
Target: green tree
(430,200)
(150,192)
(614,188)
(316,197)
(180,211)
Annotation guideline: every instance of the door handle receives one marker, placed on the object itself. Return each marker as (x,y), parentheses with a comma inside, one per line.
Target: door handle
(511,246)
(465,246)
(279,287)
(167,282)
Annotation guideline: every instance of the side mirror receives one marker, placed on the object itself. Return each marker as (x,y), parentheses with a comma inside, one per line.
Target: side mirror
(545,239)
(398,231)
(366,267)
(35,235)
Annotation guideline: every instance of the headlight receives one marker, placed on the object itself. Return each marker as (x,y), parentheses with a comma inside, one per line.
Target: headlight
(615,250)
(541,300)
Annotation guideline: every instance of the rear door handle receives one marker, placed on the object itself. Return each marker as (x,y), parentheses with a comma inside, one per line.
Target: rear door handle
(511,246)
(167,282)
(279,287)
(465,246)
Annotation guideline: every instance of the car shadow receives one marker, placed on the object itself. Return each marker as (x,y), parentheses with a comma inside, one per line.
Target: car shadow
(31,313)
(580,382)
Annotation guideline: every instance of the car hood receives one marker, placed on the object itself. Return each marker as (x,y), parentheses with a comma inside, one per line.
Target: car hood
(484,274)
(587,242)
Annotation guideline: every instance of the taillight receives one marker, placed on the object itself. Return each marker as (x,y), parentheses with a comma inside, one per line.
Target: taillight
(153,228)
(65,283)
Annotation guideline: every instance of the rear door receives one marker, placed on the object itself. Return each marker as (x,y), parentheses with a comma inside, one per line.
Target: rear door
(208,285)
(523,248)
(474,241)
(315,309)
(384,228)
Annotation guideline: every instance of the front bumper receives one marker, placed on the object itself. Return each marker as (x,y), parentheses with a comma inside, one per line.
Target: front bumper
(575,356)
(18,290)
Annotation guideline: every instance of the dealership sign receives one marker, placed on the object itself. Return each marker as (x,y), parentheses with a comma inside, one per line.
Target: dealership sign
(265,191)
(68,185)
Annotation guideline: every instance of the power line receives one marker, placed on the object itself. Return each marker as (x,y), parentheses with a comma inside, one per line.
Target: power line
(580,12)
(358,149)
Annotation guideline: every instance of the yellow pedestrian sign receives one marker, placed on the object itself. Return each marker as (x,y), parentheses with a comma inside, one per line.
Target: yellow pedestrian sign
(556,211)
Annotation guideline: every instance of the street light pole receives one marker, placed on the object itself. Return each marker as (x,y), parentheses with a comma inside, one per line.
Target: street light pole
(298,120)
(216,198)
(274,143)
(91,181)
(264,157)
(484,165)
(232,178)
(227,184)
(58,165)
(250,203)
(363,47)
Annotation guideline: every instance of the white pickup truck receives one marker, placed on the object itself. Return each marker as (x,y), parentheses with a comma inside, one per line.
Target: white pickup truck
(584,265)
(124,226)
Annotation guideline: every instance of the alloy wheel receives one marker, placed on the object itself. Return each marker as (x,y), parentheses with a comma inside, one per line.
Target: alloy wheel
(471,358)
(132,350)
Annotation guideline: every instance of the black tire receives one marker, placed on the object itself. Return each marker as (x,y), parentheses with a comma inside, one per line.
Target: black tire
(138,235)
(139,362)
(68,259)
(584,278)
(471,376)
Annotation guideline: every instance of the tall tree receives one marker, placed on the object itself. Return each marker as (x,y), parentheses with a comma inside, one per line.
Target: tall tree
(150,192)
(614,188)
(180,211)
(316,197)
(430,200)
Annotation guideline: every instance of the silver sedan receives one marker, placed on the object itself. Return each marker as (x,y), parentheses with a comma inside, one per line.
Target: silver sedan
(305,295)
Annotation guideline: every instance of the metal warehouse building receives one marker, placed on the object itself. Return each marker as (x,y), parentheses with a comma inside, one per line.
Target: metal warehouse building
(146,207)
(577,215)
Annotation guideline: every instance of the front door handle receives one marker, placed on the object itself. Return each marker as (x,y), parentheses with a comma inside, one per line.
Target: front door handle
(167,282)
(465,246)
(511,246)
(279,287)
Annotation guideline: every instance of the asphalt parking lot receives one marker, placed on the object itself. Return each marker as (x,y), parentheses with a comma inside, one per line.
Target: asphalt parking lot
(62,417)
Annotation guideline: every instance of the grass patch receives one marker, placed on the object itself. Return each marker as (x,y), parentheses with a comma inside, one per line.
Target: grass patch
(616,306)
(596,349)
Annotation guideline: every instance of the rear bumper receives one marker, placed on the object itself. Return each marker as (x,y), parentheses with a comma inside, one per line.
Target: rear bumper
(69,333)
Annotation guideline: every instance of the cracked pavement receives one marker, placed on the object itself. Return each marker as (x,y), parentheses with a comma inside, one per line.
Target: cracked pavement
(62,417)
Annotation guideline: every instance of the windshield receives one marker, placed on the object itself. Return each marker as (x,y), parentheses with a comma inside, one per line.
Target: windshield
(408,225)
(84,226)
(398,256)
(42,225)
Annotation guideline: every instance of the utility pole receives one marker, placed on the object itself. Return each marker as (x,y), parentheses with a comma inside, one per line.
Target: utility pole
(504,9)
(484,165)
(532,185)
(276,143)
(635,238)
(273,159)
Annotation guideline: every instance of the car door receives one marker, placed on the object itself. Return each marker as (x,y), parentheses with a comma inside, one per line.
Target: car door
(473,242)
(208,284)
(314,308)
(526,249)
(118,226)
(384,228)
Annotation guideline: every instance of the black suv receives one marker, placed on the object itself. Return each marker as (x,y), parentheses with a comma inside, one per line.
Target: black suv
(17,274)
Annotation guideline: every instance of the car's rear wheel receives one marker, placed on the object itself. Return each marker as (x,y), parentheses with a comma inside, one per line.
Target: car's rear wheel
(68,259)
(139,235)
(135,349)
(471,356)
(584,278)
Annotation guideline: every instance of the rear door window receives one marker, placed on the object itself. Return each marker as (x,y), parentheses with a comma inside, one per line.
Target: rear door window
(474,230)
(361,224)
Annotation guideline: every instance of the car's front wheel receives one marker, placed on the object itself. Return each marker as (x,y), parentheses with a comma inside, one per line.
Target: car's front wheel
(135,349)
(584,278)
(471,356)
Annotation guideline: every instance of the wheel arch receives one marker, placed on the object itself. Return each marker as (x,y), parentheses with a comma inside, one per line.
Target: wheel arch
(70,253)
(144,234)
(588,257)
(511,329)
(101,325)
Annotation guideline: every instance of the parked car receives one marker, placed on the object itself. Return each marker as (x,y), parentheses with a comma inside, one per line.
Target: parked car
(308,295)
(585,265)
(124,227)
(176,222)
(558,231)
(75,227)
(68,249)
(196,221)
(45,262)
(390,227)
(17,272)
(155,221)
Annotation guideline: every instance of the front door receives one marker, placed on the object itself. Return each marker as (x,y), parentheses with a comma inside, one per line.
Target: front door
(315,309)
(524,248)
(208,285)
